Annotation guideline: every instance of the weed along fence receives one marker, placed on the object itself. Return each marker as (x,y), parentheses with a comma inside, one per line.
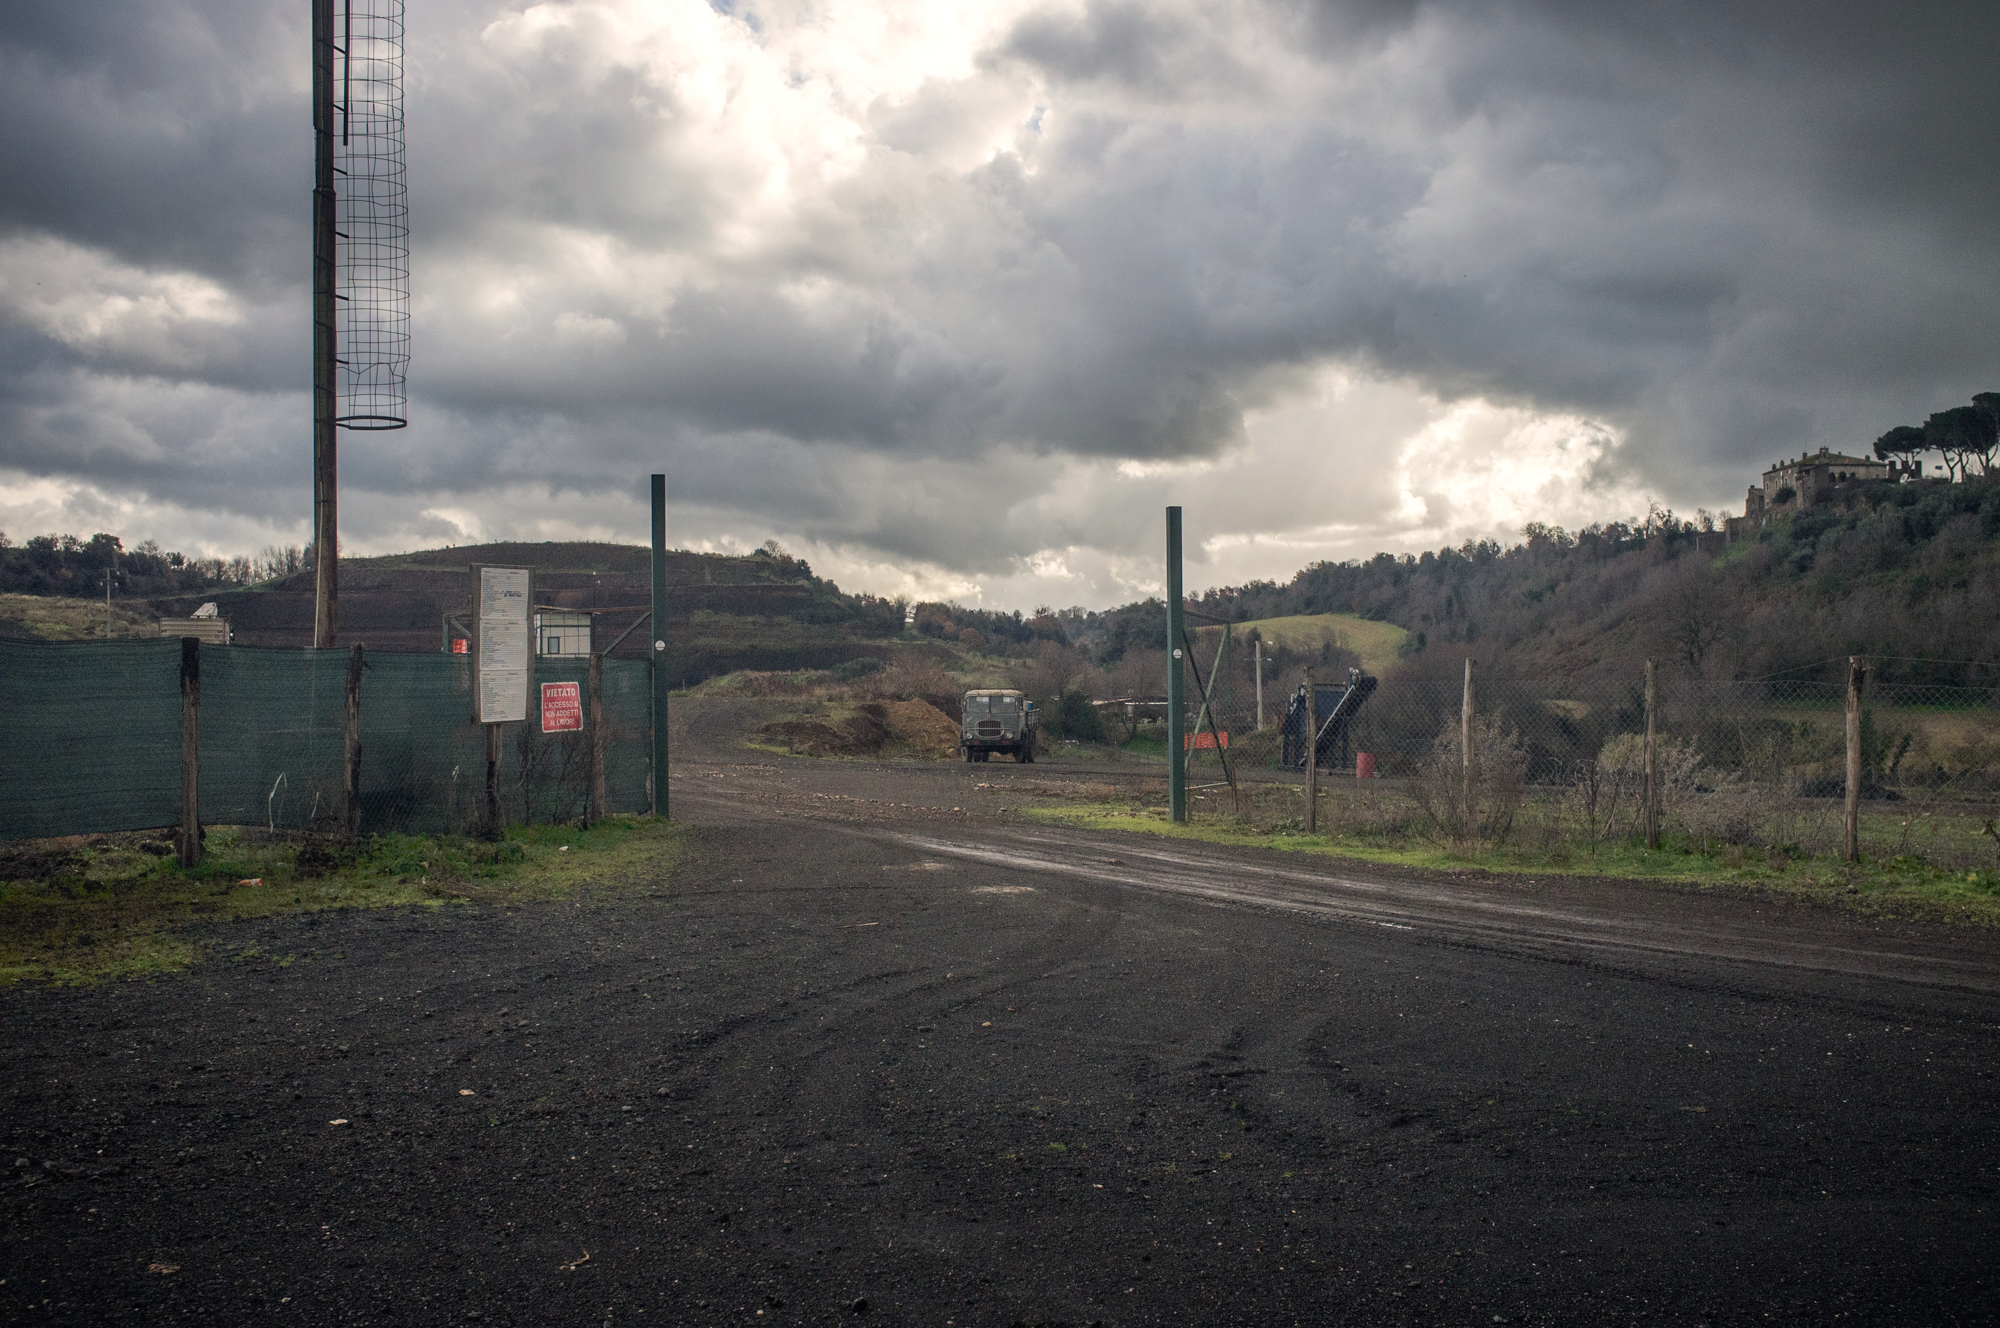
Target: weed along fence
(1777,761)
(330,740)
(1784,733)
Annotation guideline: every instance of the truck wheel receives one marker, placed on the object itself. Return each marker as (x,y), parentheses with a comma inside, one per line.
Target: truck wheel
(968,756)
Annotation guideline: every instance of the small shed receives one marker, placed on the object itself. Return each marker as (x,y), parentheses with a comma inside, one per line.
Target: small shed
(562,634)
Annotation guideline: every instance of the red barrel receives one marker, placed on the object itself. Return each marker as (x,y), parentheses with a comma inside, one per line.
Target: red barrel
(1364,765)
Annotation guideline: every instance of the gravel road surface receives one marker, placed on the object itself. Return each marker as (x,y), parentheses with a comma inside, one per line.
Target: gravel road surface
(884,1051)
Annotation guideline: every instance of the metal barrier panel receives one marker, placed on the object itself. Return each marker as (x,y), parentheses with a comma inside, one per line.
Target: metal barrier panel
(93,740)
(97,746)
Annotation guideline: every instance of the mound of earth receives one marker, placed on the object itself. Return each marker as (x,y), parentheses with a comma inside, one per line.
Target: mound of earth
(922,728)
(875,728)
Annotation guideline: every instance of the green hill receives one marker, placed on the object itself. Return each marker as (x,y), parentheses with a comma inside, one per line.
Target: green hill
(1379,644)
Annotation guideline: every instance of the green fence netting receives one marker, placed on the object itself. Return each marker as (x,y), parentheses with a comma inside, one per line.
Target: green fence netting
(95,743)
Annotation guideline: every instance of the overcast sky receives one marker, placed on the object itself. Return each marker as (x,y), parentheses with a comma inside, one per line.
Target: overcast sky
(953,299)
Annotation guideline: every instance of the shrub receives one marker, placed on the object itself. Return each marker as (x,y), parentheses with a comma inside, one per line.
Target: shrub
(859,667)
(1077,718)
(1472,809)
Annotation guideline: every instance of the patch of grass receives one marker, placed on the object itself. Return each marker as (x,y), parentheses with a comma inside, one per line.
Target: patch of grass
(1902,886)
(1377,643)
(56,618)
(111,906)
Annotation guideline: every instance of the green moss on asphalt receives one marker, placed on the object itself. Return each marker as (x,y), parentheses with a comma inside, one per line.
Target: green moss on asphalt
(108,905)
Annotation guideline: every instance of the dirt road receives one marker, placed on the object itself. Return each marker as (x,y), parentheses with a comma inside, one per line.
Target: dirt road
(884,1052)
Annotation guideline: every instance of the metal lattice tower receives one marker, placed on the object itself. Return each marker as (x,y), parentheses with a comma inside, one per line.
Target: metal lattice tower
(361,257)
(373,226)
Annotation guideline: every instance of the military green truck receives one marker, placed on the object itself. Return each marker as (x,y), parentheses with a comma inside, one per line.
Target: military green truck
(997,719)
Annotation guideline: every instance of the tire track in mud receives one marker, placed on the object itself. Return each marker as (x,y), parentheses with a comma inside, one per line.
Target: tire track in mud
(1469,915)
(1519,921)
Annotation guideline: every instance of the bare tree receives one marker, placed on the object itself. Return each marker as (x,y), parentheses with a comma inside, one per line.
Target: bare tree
(1695,618)
(1051,671)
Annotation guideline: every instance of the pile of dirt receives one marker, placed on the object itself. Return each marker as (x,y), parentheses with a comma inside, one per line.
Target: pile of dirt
(806,737)
(921,729)
(874,728)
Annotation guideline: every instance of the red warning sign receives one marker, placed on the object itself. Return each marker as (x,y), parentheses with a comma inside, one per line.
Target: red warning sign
(562,707)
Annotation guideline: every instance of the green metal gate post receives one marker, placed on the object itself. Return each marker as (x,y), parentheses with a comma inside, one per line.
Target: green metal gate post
(1176,703)
(657,656)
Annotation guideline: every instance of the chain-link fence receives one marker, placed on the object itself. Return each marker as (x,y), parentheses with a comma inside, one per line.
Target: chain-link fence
(94,741)
(1761,763)
(1783,733)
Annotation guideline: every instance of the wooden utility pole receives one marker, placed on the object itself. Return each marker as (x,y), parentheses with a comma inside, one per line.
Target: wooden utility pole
(600,799)
(1652,760)
(1257,658)
(189,845)
(353,808)
(326,520)
(1857,676)
(1311,718)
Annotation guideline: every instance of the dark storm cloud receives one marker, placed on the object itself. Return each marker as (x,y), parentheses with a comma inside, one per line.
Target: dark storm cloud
(1108,232)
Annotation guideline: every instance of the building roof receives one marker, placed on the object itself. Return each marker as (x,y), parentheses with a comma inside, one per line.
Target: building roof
(1823,457)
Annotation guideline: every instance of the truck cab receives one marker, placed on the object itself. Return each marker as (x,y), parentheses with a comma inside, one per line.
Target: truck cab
(998,719)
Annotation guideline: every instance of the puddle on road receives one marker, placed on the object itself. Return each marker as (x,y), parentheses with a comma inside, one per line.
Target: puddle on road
(1002,890)
(918,866)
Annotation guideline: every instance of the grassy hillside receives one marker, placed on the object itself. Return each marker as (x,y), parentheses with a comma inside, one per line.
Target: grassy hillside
(55,618)
(1906,574)
(1379,644)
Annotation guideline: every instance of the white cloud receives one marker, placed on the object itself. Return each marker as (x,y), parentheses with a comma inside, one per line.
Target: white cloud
(102,308)
(953,299)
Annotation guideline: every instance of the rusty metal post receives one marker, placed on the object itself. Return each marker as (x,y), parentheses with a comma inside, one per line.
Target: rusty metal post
(353,808)
(189,840)
(1857,675)
(662,681)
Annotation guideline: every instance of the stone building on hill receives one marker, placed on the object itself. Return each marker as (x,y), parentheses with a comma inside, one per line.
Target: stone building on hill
(1792,485)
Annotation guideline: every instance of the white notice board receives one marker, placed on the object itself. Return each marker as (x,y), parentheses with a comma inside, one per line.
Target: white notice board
(503,643)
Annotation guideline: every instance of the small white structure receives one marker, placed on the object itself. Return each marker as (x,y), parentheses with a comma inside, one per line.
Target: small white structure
(562,635)
(206,624)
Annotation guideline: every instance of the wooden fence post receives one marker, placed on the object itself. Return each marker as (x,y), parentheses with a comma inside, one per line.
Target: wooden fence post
(600,800)
(1465,749)
(189,844)
(353,808)
(1857,674)
(1652,760)
(1311,735)
(492,828)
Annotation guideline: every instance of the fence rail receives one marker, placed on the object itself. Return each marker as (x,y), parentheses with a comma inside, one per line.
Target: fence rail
(93,743)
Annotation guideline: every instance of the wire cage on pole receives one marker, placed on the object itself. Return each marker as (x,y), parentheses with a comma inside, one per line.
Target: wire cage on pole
(373,222)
